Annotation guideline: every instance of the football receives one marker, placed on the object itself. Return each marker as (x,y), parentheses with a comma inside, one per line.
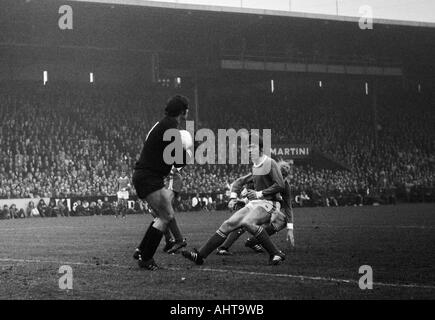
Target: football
(186,139)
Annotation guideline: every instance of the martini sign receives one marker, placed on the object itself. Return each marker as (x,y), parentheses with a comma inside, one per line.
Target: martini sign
(287,151)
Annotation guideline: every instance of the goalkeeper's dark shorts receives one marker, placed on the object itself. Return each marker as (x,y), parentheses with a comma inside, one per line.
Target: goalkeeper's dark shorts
(146,182)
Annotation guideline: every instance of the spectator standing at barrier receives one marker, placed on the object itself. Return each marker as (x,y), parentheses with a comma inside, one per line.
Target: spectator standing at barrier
(29,209)
(4,213)
(13,211)
(42,208)
(34,212)
(53,208)
(195,203)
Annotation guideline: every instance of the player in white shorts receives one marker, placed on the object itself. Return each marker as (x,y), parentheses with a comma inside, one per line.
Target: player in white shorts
(278,221)
(264,200)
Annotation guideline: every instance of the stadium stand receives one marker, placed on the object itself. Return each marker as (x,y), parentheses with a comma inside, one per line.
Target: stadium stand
(70,139)
(59,142)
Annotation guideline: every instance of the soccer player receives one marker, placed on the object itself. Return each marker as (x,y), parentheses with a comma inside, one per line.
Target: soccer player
(148,180)
(284,217)
(123,194)
(174,240)
(278,221)
(268,183)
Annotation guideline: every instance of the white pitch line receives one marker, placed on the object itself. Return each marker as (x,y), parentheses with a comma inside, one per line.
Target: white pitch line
(37,228)
(278,275)
(297,226)
(325,279)
(63,263)
(365,227)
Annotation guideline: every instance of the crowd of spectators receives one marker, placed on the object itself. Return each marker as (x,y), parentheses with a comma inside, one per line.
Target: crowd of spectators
(58,142)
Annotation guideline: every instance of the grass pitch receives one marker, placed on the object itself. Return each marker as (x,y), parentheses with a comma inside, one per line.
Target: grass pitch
(398,242)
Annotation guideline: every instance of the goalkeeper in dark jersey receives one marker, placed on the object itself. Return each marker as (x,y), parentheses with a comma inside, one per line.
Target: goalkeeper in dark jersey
(148,179)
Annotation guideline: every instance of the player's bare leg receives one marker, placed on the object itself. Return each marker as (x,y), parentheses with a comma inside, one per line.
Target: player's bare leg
(122,208)
(169,239)
(223,250)
(179,240)
(252,223)
(277,223)
(160,202)
(233,223)
(170,242)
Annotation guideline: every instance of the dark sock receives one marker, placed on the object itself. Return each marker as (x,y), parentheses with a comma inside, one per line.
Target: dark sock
(212,244)
(150,243)
(232,237)
(168,236)
(145,237)
(263,239)
(173,226)
(270,229)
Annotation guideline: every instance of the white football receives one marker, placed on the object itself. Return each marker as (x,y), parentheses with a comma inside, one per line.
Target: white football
(186,139)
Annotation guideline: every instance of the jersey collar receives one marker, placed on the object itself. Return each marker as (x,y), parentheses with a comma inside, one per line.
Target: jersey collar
(261,162)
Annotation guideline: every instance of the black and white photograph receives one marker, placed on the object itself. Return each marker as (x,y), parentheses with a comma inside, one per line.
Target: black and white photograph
(211,157)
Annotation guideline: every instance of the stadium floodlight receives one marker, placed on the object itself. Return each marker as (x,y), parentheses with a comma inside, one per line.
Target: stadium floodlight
(45,77)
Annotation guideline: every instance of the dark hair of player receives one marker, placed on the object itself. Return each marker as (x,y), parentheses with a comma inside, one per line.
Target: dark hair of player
(176,106)
(257,140)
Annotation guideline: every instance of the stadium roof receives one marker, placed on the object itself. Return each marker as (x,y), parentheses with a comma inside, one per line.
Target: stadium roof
(227,9)
(207,39)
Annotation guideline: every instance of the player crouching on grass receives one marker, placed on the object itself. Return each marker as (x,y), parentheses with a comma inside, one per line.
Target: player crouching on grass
(278,221)
(263,201)
(148,180)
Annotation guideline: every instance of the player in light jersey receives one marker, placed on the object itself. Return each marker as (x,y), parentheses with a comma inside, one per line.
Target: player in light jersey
(264,200)
(123,194)
(278,221)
